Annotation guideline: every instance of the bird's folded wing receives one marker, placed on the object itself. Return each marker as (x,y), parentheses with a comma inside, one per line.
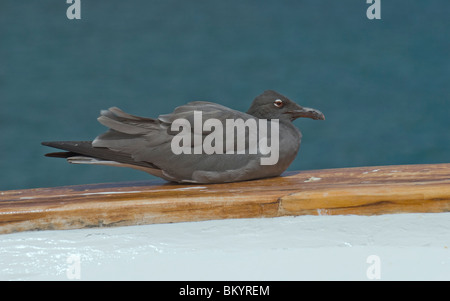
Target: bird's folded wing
(147,139)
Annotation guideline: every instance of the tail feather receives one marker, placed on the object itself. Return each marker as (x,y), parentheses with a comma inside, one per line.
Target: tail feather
(86,150)
(61,155)
(95,161)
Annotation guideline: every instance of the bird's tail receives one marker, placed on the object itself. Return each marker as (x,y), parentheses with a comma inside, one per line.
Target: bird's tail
(82,152)
(72,148)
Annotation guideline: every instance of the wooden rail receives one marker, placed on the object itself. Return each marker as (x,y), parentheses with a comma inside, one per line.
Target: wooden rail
(362,190)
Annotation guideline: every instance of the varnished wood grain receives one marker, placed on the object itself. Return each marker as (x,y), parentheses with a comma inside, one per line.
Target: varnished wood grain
(362,190)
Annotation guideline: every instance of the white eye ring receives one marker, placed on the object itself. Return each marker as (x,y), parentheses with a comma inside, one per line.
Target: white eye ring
(278,103)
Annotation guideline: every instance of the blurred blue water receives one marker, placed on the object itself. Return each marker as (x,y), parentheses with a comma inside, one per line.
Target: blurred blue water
(383,85)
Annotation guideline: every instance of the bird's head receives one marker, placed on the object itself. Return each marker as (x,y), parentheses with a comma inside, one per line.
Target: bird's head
(273,105)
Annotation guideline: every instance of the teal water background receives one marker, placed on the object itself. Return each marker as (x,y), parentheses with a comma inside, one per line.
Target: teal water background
(383,85)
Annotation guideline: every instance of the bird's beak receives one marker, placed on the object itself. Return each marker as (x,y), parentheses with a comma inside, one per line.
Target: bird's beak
(306,112)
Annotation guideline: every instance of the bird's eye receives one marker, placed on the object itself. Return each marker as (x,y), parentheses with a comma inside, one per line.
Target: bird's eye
(278,103)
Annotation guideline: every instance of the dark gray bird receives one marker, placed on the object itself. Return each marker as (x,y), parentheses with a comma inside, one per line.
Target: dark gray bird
(147,144)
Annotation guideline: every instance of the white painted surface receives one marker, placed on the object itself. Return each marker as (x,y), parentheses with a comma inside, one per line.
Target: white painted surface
(409,247)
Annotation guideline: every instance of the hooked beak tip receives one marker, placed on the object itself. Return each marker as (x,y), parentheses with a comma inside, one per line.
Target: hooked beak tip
(320,117)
